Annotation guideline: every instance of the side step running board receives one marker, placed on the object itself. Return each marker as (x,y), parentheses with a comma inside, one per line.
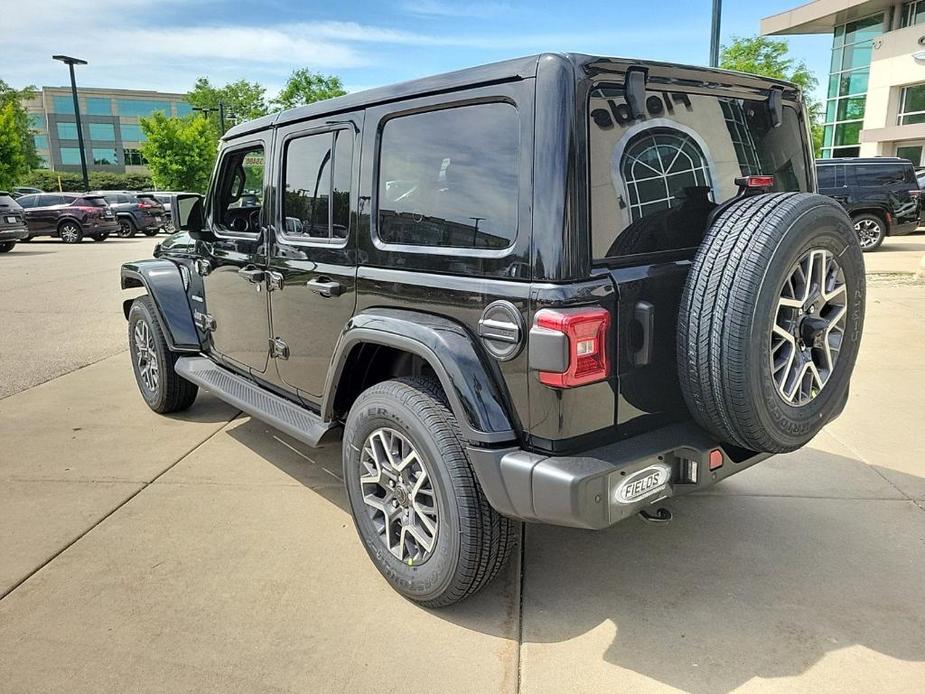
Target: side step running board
(248,397)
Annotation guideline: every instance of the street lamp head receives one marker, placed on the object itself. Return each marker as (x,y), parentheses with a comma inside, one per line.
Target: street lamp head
(69,60)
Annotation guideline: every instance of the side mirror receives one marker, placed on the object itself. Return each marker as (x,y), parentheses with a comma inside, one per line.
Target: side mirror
(186,209)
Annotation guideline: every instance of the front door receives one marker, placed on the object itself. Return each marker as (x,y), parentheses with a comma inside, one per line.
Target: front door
(313,256)
(234,271)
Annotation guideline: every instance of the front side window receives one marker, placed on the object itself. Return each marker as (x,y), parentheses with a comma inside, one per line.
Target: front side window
(239,196)
(912,105)
(449,178)
(316,187)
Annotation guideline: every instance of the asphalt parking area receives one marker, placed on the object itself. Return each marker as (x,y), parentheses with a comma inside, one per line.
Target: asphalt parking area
(208,552)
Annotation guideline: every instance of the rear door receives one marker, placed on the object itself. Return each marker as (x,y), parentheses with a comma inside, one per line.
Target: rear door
(234,274)
(43,217)
(313,257)
(654,182)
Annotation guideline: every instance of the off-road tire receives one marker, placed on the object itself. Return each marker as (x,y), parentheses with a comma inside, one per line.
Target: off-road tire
(728,310)
(871,219)
(7,246)
(70,231)
(173,393)
(127,228)
(473,541)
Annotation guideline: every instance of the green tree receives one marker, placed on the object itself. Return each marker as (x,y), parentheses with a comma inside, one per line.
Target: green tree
(305,87)
(14,164)
(760,55)
(243,100)
(17,97)
(180,151)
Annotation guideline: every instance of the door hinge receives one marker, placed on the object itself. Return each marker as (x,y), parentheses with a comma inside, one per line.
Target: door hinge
(274,281)
(203,267)
(278,348)
(204,321)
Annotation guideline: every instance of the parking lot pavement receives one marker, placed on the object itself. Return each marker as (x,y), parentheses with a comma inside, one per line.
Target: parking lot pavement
(897,254)
(60,307)
(207,552)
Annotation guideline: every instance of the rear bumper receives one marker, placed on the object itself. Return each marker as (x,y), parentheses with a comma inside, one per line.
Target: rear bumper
(587,490)
(903,228)
(13,233)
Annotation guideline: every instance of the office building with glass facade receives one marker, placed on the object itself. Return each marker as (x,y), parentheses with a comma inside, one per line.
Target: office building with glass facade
(110,120)
(875,92)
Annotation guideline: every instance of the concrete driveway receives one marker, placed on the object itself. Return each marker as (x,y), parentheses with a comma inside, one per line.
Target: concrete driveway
(207,552)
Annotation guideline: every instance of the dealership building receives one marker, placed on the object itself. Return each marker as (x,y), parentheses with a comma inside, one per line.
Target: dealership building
(875,93)
(110,122)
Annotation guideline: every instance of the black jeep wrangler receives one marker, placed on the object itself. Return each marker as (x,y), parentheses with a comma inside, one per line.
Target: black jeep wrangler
(556,289)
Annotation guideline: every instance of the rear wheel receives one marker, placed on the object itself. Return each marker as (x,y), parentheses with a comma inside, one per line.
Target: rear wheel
(126,228)
(151,232)
(101,237)
(153,363)
(7,246)
(770,321)
(870,229)
(70,232)
(416,503)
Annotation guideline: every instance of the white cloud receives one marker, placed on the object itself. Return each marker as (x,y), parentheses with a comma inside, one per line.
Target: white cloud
(436,8)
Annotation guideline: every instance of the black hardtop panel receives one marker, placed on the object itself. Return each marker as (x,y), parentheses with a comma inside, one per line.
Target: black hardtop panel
(863,160)
(507,70)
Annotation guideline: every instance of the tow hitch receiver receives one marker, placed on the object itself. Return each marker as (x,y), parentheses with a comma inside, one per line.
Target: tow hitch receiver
(661,516)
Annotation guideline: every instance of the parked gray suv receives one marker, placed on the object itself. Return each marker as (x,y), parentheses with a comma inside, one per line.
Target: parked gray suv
(135,211)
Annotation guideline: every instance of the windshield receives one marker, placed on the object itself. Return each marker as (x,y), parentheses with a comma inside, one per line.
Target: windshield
(654,180)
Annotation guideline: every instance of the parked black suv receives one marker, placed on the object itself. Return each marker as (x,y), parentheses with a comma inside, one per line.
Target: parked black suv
(556,289)
(881,194)
(12,226)
(69,216)
(135,211)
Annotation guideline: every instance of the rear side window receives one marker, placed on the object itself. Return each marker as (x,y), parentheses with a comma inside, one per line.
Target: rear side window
(655,179)
(90,202)
(316,187)
(27,201)
(449,178)
(825,177)
(875,175)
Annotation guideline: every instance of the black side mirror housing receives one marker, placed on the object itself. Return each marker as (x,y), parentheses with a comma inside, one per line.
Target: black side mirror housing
(187,211)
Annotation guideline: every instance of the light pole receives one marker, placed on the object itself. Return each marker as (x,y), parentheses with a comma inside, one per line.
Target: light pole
(71,62)
(714,33)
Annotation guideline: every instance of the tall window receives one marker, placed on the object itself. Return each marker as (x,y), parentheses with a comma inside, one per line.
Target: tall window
(913,13)
(449,178)
(132,132)
(741,135)
(847,94)
(104,156)
(132,157)
(912,105)
(67,131)
(98,106)
(102,131)
(316,192)
(658,166)
(142,107)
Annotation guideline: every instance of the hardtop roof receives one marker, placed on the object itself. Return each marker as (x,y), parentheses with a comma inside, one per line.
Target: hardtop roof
(503,71)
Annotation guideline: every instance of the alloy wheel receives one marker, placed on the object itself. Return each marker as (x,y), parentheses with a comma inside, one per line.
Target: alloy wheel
(869,232)
(146,356)
(125,228)
(69,233)
(399,494)
(809,326)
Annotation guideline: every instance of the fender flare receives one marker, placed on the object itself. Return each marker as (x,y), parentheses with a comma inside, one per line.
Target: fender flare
(473,391)
(163,281)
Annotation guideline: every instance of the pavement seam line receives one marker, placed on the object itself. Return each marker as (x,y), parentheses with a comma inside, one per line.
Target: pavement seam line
(144,486)
(61,375)
(872,467)
(520,606)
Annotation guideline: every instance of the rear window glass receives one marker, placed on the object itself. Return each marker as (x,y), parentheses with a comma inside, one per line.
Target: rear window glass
(449,178)
(654,180)
(7,201)
(875,175)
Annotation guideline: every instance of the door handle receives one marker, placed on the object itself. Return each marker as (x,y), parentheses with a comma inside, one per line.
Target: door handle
(325,286)
(252,274)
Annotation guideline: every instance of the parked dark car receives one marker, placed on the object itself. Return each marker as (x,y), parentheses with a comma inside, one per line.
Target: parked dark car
(135,212)
(557,289)
(19,191)
(12,226)
(164,197)
(69,216)
(881,194)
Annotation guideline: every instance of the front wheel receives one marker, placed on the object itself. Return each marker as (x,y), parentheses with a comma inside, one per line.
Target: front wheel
(70,232)
(153,363)
(7,246)
(870,230)
(416,503)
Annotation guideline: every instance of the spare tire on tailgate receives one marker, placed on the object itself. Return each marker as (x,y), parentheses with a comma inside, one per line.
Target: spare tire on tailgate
(770,320)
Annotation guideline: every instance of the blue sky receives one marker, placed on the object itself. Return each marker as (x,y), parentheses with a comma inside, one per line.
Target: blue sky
(168,43)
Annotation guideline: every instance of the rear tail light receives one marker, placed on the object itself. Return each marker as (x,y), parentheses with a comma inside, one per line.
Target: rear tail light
(757,181)
(586,333)
(716,459)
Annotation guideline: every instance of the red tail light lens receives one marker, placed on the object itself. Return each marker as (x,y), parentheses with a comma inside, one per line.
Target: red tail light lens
(586,330)
(755,182)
